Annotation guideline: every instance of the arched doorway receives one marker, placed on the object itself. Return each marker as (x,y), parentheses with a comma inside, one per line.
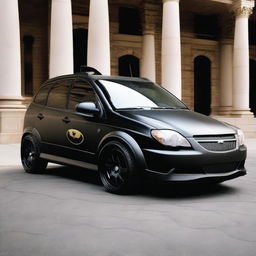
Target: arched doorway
(202,85)
(253,86)
(129,65)
(80,37)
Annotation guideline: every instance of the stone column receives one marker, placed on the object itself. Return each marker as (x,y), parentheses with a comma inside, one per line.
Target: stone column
(61,40)
(11,108)
(226,77)
(243,9)
(10,64)
(98,36)
(148,62)
(171,48)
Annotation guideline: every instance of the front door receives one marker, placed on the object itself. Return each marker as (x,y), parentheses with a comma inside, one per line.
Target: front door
(82,132)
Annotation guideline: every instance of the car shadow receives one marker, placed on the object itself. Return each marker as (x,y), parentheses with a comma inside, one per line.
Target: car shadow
(148,188)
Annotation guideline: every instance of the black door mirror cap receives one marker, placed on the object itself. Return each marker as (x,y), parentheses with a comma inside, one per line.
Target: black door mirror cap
(88,108)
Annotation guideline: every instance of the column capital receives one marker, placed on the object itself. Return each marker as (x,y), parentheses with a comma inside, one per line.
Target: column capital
(243,8)
(148,29)
(164,1)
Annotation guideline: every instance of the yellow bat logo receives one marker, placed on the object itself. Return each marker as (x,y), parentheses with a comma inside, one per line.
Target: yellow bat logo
(75,137)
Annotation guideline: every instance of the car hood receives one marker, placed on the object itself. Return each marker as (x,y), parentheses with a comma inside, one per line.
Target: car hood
(186,122)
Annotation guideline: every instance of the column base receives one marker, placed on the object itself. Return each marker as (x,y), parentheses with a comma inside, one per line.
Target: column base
(222,111)
(12,112)
(242,113)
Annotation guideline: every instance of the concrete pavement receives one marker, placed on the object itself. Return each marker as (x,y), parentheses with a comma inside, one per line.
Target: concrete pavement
(67,212)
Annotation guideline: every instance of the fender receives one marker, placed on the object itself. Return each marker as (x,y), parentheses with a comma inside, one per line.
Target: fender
(34,133)
(129,141)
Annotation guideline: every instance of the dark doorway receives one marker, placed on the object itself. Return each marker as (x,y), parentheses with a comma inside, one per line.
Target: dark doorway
(202,85)
(129,65)
(253,86)
(28,65)
(80,37)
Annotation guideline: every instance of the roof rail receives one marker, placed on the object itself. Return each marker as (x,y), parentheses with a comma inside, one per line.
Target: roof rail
(89,70)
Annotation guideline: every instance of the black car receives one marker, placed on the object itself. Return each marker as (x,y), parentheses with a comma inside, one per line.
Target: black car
(128,129)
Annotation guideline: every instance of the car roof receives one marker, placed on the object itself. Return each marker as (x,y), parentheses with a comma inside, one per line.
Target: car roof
(94,78)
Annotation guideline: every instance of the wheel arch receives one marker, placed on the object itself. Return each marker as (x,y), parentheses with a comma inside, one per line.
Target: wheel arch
(128,141)
(33,132)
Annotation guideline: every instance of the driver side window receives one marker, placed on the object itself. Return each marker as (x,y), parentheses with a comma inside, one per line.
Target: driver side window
(81,92)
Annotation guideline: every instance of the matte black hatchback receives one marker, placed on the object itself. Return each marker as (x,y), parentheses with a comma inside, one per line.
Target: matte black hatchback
(127,128)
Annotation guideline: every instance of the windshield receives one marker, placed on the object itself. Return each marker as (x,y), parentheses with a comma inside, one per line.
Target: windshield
(140,94)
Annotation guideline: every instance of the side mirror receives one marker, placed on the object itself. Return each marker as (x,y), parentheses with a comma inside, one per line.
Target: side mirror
(88,108)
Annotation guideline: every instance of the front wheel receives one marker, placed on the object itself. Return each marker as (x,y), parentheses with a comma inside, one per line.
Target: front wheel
(30,159)
(117,168)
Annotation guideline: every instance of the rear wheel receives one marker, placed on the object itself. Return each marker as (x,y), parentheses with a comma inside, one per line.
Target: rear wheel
(117,168)
(30,159)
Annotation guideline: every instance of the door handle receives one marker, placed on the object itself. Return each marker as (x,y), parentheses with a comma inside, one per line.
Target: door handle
(40,116)
(66,120)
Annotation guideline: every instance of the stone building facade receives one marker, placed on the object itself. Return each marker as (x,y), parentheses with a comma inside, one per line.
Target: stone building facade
(203,51)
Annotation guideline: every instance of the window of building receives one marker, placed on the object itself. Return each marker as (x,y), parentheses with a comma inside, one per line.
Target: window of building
(80,37)
(129,21)
(252,32)
(28,65)
(206,27)
(129,65)
(58,95)
(81,92)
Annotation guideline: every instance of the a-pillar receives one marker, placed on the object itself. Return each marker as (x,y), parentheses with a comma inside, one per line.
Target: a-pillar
(148,62)
(226,77)
(61,39)
(171,48)
(98,36)
(241,61)
(11,108)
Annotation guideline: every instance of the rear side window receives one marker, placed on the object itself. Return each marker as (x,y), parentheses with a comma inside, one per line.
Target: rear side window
(58,95)
(42,95)
(81,92)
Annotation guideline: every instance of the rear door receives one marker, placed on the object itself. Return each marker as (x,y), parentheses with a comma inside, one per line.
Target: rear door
(51,122)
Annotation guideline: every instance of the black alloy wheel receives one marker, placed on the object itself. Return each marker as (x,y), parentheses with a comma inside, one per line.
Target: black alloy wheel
(30,159)
(117,168)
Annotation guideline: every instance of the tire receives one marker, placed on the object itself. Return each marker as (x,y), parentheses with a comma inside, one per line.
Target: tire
(117,168)
(30,159)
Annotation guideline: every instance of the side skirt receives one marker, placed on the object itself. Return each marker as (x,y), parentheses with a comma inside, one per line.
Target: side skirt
(63,160)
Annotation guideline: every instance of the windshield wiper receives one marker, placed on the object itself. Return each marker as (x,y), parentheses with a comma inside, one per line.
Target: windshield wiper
(134,108)
(163,108)
(169,108)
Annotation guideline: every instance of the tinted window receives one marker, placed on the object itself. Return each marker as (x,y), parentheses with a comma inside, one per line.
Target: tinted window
(81,92)
(138,94)
(42,95)
(58,95)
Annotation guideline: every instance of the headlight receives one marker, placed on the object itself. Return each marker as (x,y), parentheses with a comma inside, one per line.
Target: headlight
(240,136)
(170,138)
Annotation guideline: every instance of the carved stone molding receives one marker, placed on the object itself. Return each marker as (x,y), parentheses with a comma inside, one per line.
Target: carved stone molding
(243,8)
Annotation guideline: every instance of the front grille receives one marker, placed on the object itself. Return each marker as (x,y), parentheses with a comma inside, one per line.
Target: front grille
(215,146)
(217,143)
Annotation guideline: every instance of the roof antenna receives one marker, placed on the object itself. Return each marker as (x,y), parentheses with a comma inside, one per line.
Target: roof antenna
(130,69)
(89,70)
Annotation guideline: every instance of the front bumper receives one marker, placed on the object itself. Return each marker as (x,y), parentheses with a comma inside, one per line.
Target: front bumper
(194,165)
